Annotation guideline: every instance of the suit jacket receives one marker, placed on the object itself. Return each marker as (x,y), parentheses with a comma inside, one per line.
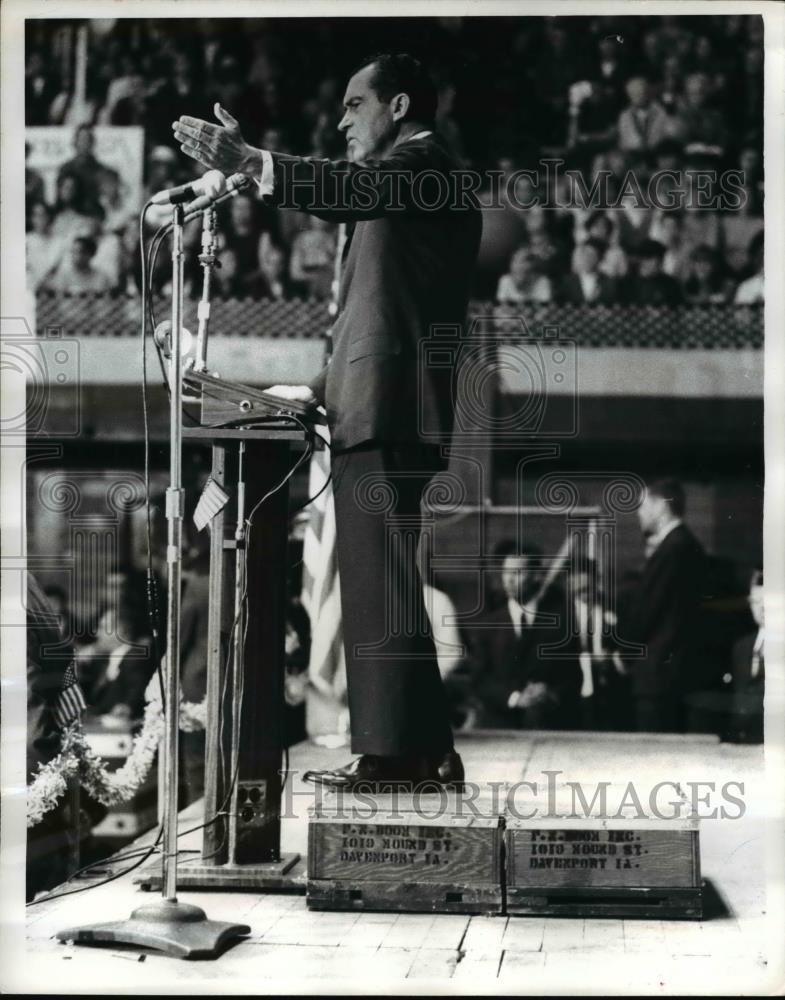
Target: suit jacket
(405,269)
(505,662)
(665,616)
(570,291)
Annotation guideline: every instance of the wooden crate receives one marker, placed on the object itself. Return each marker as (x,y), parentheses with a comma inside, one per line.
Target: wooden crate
(610,868)
(400,858)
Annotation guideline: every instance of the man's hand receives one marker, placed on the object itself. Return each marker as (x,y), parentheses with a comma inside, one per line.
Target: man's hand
(296,393)
(219,147)
(533,694)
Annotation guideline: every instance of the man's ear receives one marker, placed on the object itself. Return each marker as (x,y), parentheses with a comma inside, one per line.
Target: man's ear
(399,105)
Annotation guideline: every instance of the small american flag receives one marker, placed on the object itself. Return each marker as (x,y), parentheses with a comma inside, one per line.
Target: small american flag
(212,500)
(70,703)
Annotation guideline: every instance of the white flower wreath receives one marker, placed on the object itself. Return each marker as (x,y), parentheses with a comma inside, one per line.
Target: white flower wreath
(77,759)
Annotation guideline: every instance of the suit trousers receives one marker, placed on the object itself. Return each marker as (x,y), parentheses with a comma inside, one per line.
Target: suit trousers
(397,701)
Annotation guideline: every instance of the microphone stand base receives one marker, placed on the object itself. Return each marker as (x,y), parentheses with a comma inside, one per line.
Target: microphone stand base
(178,929)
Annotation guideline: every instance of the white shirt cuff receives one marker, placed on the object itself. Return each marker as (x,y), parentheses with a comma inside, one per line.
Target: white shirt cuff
(266,183)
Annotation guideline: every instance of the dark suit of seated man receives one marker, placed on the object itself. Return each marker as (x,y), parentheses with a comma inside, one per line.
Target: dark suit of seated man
(525,663)
(407,267)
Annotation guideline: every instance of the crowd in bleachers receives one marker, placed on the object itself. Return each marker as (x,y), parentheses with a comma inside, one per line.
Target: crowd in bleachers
(619,94)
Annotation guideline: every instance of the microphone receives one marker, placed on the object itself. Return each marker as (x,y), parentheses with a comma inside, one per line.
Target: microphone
(211,185)
(234,185)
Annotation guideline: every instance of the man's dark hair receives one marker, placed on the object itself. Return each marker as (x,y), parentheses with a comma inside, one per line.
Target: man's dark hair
(650,249)
(87,243)
(508,547)
(672,492)
(400,73)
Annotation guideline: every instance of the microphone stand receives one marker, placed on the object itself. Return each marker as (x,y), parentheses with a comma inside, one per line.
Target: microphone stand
(180,929)
(208,261)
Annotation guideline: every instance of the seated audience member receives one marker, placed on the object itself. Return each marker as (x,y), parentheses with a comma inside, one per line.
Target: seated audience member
(647,285)
(514,682)
(312,260)
(752,290)
(587,285)
(696,123)
(89,172)
(667,229)
(69,219)
(272,281)
(600,230)
(34,186)
(605,684)
(644,123)
(43,249)
(664,612)
(706,284)
(76,273)
(524,283)
(50,707)
(117,667)
(748,672)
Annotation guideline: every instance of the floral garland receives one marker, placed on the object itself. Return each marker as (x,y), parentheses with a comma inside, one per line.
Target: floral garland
(77,759)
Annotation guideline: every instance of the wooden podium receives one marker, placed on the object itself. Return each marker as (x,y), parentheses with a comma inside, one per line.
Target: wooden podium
(244,851)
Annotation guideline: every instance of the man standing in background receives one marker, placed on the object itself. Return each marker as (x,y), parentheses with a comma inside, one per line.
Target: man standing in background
(665,611)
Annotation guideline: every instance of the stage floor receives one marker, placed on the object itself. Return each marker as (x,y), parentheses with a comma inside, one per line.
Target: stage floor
(385,952)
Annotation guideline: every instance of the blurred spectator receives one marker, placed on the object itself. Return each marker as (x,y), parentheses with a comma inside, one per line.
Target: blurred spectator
(180,92)
(76,273)
(697,124)
(49,660)
(43,249)
(90,173)
(125,98)
(272,279)
(667,229)
(740,225)
(69,220)
(515,685)
(586,285)
(749,672)
(670,85)
(40,90)
(647,285)
(312,261)
(707,284)
(752,290)
(116,669)
(644,123)
(598,226)
(524,282)
(664,616)
(34,186)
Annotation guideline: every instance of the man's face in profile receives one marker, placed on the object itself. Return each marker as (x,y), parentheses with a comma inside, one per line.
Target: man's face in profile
(367,121)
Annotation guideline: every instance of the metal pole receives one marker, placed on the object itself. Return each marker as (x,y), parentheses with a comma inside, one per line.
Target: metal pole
(174,515)
(238,651)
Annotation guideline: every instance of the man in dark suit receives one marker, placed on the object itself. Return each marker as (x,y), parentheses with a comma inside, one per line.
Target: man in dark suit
(524,658)
(664,614)
(406,267)
(586,285)
(748,673)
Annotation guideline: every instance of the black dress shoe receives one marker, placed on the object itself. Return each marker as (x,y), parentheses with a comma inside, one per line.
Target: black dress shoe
(373,773)
(450,771)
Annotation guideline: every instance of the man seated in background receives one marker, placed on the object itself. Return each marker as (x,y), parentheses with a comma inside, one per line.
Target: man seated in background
(650,286)
(587,285)
(77,274)
(665,609)
(516,683)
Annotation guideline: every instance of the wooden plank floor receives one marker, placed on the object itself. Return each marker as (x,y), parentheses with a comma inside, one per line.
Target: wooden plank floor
(356,952)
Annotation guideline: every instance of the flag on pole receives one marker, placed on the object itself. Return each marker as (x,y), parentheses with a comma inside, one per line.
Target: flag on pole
(70,702)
